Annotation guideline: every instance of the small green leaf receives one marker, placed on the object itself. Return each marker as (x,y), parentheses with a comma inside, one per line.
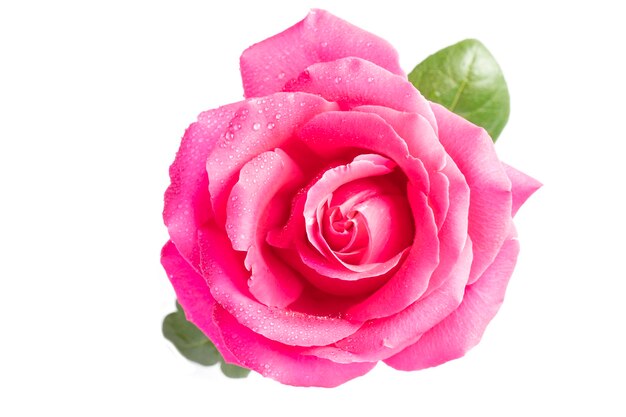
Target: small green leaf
(234,371)
(466,79)
(188,339)
(194,345)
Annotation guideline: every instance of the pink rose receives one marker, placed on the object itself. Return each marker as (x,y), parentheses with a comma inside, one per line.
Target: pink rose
(335,218)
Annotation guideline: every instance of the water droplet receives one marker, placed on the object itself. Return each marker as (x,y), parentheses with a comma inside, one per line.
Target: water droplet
(337,80)
(370,79)
(270,126)
(256,126)
(278,116)
(323,44)
(387,343)
(281,75)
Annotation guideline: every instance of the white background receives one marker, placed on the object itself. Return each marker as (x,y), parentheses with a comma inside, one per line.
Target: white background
(94,97)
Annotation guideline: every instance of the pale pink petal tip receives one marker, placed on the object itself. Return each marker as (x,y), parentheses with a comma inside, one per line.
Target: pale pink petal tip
(522,187)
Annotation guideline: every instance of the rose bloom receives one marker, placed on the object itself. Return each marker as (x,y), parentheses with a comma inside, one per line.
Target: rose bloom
(335,218)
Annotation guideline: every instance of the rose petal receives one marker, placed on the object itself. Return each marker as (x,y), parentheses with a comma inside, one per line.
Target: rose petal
(320,264)
(453,232)
(271,282)
(259,125)
(353,281)
(418,132)
(326,274)
(333,133)
(194,297)
(412,277)
(187,200)
(259,181)
(382,338)
(320,37)
(283,363)
(227,279)
(353,82)
(463,329)
(523,187)
(363,167)
(490,188)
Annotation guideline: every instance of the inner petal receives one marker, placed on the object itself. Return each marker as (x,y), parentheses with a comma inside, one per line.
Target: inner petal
(358,223)
(367,220)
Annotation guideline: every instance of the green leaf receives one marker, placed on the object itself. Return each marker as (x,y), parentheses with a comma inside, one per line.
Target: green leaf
(466,79)
(234,371)
(194,345)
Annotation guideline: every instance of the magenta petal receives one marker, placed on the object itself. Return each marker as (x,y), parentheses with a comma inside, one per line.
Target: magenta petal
(348,281)
(332,133)
(259,125)
(320,37)
(472,150)
(418,132)
(413,276)
(353,82)
(523,187)
(463,329)
(227,279)
(272,282)
(187,201)
(363,167)
(382,338)
(283,363)
(453,231)
(194,297)
(259,181)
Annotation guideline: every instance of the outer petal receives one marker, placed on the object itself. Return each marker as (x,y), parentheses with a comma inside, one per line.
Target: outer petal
(260,125)
(320,37)
(523,187)
(463,329)
(226,277)
(490,188)
(283,363)
(187,204)
(194,296)
(353,82)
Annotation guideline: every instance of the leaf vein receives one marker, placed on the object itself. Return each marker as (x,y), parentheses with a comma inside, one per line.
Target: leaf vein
(463,85)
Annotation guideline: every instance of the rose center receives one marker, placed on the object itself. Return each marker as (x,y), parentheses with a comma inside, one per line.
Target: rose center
(367,221)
